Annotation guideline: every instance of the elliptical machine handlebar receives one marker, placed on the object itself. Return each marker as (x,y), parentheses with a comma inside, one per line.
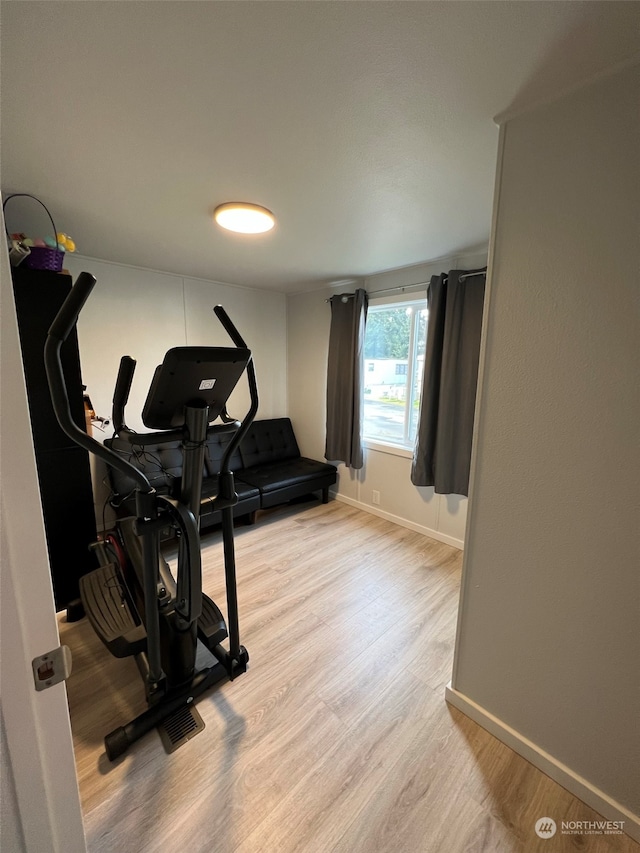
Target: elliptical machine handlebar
(67,316)
(226,482)
(59,331)
(118,405)
(121,392)
(230,329)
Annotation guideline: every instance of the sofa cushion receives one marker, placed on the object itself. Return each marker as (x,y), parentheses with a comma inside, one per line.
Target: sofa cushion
(161,464)
(288,473)
(216,445)
(243,490)
(268,441)
(248,500)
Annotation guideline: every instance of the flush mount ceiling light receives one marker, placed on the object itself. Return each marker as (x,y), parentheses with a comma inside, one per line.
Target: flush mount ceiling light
(244,218)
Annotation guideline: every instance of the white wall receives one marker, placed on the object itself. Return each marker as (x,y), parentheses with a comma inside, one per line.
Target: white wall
(548,650)
(308,323)
(143,313)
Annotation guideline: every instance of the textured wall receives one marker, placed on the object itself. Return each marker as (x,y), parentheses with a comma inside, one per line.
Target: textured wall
(548,639)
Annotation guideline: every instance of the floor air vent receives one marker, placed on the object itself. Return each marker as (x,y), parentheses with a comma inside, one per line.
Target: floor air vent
(180,727)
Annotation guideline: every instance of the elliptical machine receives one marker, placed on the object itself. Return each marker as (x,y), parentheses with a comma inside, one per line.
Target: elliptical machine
(139,608)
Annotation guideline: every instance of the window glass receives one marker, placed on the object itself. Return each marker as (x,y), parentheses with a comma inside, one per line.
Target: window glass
(394,348)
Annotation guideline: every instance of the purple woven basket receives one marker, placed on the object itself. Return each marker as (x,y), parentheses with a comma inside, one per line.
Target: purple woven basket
(44,258)
(40,257)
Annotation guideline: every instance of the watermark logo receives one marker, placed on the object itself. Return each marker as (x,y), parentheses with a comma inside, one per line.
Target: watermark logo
(546,827)
(592,827)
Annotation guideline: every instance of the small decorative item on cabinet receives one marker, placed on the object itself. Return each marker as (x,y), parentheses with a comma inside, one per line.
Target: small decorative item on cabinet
(36,253)
(91,418)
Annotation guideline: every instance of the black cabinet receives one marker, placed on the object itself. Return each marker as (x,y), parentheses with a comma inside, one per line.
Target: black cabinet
(64,474)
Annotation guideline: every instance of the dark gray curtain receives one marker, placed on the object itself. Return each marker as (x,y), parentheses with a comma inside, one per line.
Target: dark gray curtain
(442,453)
(344,379)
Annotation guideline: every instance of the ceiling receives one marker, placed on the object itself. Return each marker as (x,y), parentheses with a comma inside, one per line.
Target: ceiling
(366,127)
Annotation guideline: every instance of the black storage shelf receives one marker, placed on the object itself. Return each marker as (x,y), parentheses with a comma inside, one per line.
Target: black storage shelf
(64,473)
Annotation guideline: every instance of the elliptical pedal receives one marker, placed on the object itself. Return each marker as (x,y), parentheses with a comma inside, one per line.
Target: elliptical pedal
(111,611)
(211,625)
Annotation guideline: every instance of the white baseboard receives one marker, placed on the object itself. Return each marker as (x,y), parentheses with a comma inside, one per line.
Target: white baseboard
(563,775)
(403,522)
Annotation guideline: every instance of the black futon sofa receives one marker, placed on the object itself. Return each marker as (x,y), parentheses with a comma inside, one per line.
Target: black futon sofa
(268,470)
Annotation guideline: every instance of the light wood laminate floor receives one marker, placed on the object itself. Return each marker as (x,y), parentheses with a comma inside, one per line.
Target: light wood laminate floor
(338,738)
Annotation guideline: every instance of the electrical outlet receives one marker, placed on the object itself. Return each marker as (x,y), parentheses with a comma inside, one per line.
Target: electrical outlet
(376,498)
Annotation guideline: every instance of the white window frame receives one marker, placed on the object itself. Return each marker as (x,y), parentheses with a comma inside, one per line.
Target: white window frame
(415,298)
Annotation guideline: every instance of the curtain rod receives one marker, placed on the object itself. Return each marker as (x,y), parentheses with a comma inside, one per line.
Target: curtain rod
(405,287)
(471,274)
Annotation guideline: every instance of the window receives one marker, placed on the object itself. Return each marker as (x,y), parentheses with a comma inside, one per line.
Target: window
(394,347)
